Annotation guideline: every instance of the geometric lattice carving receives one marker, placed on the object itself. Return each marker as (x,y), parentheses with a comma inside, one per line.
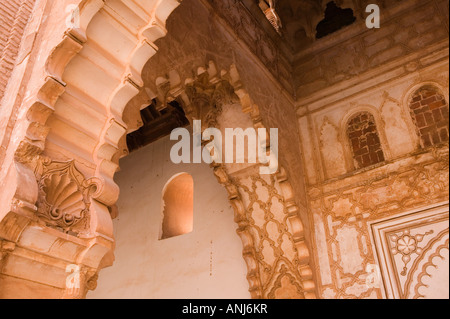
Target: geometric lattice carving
(64,196)
(276,251)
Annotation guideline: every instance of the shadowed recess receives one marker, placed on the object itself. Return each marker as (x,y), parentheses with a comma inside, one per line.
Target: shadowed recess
(178,206)
(335,19)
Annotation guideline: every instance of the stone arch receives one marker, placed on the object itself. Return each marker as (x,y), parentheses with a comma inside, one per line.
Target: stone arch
(332,150)
(203,98)
(73,120)
(76,118)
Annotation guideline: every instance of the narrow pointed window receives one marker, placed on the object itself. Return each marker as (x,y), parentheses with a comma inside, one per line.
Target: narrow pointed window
(177,206)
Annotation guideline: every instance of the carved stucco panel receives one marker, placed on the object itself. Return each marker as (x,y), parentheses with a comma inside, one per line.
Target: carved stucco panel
(396,129)
(412,251)
(322,250)
(351,260)
(267,218)
(344,211)
(332,149)
(431,272)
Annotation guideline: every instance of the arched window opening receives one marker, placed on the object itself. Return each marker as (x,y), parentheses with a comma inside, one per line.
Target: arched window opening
(429,111)
(335,19)
(364,140)
(178,206)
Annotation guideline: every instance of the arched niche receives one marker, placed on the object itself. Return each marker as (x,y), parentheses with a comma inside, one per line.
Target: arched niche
(177,217)
(80,118)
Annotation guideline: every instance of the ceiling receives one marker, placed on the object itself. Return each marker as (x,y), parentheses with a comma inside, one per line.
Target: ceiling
(299,18)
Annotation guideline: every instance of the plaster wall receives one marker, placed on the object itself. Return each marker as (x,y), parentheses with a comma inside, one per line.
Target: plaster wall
(206,263)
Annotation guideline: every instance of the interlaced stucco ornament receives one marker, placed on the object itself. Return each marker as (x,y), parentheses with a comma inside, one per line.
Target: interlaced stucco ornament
(64,196)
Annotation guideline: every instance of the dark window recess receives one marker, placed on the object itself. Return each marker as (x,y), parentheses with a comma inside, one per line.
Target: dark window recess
(335,19)
(157,124)
(429,111)
(178,207)
(364,140)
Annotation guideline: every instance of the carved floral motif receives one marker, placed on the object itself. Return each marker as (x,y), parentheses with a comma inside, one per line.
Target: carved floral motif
(407,244)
